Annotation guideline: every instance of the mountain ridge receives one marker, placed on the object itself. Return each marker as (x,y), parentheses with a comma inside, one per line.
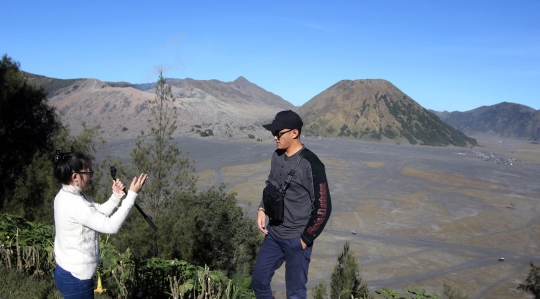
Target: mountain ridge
(119,107)
(367,109)
(503,120)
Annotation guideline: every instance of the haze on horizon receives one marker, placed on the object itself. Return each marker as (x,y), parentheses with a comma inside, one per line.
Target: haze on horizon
(451,55)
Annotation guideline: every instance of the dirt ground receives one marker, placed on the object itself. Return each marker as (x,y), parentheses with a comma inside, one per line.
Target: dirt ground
(422,216)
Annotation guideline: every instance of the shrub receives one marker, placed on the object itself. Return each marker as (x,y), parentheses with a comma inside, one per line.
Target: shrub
(18,285)
(345,280)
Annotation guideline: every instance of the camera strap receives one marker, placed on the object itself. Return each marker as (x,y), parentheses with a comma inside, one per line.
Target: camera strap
(292,172)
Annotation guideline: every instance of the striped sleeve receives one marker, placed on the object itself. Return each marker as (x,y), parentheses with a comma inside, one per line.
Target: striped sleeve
(322,203)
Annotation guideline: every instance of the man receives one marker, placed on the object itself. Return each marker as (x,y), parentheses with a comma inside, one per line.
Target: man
(307,209)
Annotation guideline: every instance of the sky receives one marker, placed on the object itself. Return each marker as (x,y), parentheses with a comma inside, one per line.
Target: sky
(446,55)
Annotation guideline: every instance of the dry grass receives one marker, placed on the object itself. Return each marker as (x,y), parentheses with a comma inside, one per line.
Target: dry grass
(450,179)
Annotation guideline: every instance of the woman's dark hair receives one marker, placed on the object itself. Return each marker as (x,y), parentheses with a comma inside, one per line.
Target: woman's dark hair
(67,163)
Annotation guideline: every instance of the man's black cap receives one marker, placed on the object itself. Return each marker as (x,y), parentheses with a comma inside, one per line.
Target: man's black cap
(285,120)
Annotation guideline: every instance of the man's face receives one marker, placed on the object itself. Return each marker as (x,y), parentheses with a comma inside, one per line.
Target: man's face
(284,138)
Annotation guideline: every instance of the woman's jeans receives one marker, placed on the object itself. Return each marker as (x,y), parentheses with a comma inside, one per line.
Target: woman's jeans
(71,287)
(274,251)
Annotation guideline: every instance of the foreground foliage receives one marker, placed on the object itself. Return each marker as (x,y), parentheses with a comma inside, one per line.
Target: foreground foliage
(532,283)
(27,258)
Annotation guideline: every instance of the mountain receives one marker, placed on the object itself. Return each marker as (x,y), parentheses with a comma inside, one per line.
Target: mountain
(49,84)
(374,109)
(121,107)
(503,120)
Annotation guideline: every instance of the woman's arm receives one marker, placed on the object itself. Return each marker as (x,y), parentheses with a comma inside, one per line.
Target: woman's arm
(92,218)
(98,221)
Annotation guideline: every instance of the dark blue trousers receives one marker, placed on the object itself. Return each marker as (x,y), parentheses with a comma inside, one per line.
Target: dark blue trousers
(71,287)
(274,251)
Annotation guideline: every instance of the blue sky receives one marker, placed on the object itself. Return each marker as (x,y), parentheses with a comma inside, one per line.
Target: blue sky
(446,55)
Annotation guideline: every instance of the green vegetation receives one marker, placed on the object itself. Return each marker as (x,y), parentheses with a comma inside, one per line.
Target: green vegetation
(532,283)
(27,265)
(345,280)
(375,135)
(420,124)
(250,136)
(27,125)
(418,294)
(206,133)
(344,131)
(16,284)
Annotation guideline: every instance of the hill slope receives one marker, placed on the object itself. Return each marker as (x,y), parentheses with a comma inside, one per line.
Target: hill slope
(504,120)
(375,109)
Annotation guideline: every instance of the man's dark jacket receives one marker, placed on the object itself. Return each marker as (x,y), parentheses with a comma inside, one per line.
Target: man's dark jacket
(307,200)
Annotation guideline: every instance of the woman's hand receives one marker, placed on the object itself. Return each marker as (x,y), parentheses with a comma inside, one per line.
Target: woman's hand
(138,182)
(118,186)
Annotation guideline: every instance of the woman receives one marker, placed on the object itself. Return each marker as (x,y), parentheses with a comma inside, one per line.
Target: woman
(78,220)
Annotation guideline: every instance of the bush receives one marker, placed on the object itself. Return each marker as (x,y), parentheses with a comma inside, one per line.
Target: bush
(18,285)
(345,280)
(206,133)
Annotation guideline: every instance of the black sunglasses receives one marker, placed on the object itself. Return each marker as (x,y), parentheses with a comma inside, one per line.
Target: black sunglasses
(278,134)
(91,172)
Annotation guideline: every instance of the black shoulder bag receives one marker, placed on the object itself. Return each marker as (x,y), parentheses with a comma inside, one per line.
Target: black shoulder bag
(274,201)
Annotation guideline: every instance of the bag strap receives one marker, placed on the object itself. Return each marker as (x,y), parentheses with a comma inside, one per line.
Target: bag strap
(292,172)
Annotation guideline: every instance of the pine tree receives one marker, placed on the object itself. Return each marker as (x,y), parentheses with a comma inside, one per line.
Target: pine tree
(170,174)
(156,153)
(345,280)
(319,291)
(533,282)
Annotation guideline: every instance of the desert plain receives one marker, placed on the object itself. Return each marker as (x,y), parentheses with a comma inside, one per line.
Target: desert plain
(415,216)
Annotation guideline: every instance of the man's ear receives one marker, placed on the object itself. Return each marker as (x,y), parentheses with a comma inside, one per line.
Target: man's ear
(295,132)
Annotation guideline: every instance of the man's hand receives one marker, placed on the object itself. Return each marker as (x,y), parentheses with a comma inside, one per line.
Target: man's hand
(261,222)
(303,244)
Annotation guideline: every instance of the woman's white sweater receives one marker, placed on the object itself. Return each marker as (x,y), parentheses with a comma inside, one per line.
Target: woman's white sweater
(77,221)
